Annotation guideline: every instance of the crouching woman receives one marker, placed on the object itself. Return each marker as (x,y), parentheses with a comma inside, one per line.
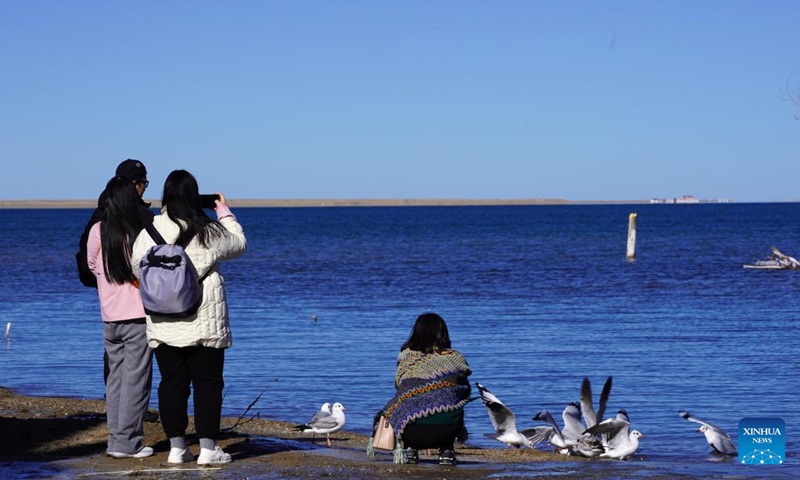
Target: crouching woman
(432,388)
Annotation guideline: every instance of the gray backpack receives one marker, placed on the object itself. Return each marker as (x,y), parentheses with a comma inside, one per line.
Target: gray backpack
(168,281)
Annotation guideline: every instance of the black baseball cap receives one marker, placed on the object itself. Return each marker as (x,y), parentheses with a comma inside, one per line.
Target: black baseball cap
(132,169)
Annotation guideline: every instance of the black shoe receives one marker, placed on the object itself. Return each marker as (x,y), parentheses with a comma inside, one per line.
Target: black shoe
(447,457)
(412,455)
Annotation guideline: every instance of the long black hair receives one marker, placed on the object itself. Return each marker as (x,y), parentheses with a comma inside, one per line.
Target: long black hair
(429,334)
(121,223)
(181,196)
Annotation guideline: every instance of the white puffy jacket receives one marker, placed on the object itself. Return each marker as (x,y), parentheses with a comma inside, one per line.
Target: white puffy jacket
(209,327)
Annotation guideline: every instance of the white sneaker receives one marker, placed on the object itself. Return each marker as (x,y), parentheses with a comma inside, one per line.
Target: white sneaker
(144,452)
(213,457)
(179,455)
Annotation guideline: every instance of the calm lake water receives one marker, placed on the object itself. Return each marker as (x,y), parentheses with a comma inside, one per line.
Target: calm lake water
(536,298)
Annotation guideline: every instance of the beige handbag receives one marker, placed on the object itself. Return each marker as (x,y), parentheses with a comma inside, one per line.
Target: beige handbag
(384,435)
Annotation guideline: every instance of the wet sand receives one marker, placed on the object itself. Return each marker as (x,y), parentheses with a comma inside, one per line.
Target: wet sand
(52,437)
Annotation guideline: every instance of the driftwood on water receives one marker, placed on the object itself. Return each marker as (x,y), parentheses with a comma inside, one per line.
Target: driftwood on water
(776,261)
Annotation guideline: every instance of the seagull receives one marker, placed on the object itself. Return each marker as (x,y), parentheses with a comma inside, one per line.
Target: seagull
(324,412)
(503,420)
(572,421)
(715,436)
(571,440)
(564,439)
(591,445)
(328,423)
(621,441)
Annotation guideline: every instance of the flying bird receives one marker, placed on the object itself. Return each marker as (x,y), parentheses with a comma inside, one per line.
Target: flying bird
(715,436)
(325,422)
(621,441)
(503,420)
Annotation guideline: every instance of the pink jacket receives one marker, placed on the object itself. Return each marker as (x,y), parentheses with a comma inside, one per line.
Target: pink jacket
(117,302)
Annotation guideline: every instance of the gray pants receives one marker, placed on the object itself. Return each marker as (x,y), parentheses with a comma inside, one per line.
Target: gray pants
(130,363)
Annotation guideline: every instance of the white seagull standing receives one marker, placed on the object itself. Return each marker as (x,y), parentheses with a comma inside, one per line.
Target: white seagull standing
(325,422)
(324,412)
(621,441)
(715,436)
(503,420)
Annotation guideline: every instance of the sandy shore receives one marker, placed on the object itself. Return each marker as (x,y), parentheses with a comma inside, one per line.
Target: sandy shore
(392,202)
(51,437)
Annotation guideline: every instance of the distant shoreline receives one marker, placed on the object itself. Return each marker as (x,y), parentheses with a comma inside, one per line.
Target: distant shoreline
(390,202)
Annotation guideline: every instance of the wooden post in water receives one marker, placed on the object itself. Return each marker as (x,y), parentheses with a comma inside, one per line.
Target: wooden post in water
(631,236)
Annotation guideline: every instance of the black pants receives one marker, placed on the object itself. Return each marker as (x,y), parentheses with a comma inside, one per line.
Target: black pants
(200,367)
(431,436)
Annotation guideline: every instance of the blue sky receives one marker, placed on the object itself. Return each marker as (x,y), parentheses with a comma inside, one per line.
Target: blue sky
(581,100)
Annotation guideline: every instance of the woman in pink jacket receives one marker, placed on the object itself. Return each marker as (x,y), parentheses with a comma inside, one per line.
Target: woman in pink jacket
(125,330)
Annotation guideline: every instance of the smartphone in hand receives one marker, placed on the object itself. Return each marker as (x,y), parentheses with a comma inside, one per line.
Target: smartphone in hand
(208,200)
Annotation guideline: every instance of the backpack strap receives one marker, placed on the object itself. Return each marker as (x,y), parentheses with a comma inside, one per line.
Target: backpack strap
(151,230)
(208,272)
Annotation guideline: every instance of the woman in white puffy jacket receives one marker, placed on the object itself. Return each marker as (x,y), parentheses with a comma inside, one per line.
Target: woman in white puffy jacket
(191,351)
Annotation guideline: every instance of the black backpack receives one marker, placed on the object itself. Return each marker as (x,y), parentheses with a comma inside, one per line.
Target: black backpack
(85,274)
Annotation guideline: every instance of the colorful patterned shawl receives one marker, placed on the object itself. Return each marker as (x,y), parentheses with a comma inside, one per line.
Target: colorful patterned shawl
(427,384)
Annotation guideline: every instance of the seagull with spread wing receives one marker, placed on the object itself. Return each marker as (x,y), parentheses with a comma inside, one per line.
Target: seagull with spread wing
(589,415)
(716,437)
(592,445)
(563,439)
(503,420)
